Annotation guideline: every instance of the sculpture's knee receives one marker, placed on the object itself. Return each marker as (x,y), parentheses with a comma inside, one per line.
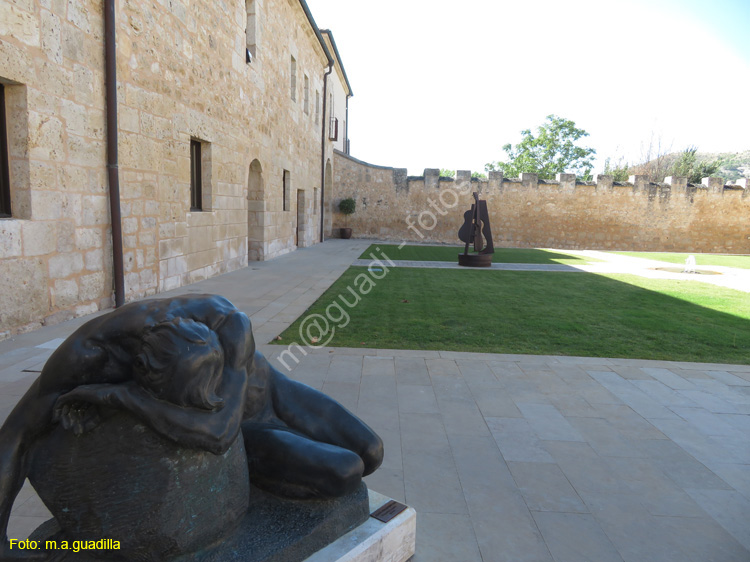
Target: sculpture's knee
(344,475)
(372,454)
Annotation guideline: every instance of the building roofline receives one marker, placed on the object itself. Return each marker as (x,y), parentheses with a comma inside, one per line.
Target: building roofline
(338,59)
(318,34)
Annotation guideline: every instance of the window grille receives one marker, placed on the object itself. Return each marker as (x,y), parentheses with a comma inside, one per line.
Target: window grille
(307,95)
(293,79)
(196,179)
(4,171)
(287,190)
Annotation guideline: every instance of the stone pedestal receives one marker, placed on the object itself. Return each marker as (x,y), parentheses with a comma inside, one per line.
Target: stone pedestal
(122,481)
(281,530)
(373,541)
(159,501)
(273,530)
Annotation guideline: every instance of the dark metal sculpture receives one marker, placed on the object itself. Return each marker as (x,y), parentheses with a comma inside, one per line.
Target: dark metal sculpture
(147,421)
(476,230)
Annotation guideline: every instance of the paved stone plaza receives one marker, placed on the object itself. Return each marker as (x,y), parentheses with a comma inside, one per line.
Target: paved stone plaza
(505,457)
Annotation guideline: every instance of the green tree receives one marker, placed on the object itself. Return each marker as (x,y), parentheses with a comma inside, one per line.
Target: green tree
(347,207)
(688,165)
(552,151)
(619,171)
(447,173)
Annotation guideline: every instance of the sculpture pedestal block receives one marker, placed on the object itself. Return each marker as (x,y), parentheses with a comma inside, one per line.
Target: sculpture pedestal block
(273,530)
(373,541)
(281,530)
(122,481)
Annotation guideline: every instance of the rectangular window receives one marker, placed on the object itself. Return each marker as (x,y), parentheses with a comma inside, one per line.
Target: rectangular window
(4,173)
(333,123)
(307,95)
(287,190)
(293,79)
(196,176)
(317,107)
(250,30)
(333,132)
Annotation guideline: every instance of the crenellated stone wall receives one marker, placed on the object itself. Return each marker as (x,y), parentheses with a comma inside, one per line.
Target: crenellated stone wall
(526,212)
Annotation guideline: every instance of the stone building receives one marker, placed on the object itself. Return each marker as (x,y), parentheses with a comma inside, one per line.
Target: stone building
(338,99)
(339,91)
(223,146)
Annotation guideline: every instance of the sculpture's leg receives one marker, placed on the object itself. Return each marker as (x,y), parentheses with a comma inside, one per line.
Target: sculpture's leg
(30,417)
(311,413)
(321,418)
(290,464)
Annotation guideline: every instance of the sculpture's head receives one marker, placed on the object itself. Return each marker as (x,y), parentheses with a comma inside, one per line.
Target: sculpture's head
(181,361)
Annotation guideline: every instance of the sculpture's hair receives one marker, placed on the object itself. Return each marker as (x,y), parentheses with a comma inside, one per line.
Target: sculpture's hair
(158,368)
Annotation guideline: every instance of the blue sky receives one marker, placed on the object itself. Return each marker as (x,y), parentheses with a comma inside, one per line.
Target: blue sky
(441,84)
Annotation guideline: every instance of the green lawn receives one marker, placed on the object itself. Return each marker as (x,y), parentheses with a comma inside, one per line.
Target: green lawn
(541,313)
(450,253)
(727,260)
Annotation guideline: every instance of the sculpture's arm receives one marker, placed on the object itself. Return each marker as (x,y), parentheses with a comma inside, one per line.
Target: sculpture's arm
(79,360)
(26,421)
(212,431)
(101,350)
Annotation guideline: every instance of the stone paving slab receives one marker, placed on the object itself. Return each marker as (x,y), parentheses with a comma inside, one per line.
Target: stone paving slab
(504,456)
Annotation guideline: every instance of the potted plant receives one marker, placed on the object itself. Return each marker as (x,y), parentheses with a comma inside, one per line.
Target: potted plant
(346,208)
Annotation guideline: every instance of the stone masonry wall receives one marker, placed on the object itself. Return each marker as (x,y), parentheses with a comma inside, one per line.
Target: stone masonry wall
(182,75)
(55,253)
(524,212)
(186,77)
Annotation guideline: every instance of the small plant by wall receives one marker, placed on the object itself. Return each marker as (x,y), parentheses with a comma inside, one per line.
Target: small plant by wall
(347,207)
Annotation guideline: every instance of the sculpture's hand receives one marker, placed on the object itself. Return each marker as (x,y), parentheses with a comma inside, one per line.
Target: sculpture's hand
(214,431)
(78,416)
(77,409)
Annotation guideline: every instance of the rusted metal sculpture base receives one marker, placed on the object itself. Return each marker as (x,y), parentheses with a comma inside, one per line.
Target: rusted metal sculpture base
(475,260)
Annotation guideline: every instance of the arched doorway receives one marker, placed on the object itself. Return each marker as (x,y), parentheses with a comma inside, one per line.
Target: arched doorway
(255,212)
